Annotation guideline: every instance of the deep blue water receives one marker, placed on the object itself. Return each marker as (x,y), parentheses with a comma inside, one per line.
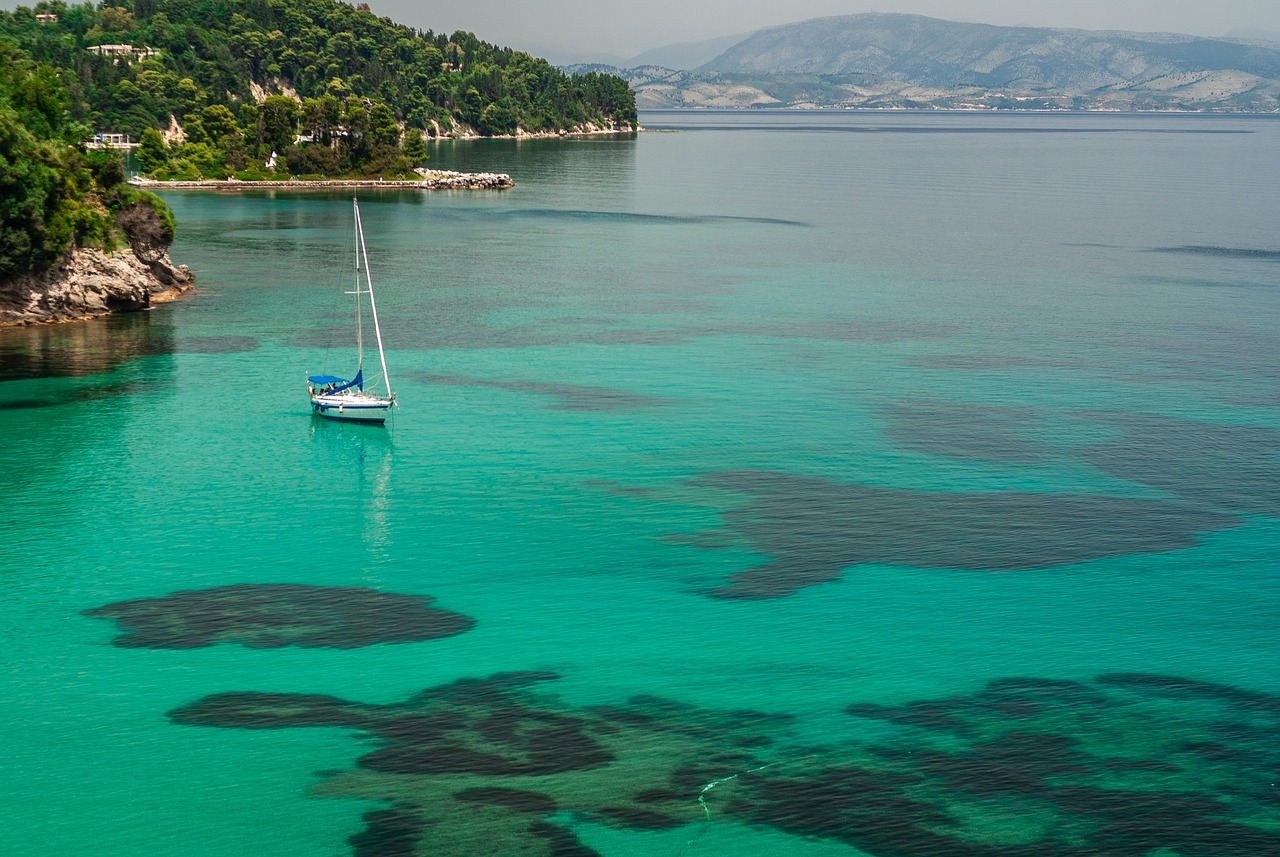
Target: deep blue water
(948,441)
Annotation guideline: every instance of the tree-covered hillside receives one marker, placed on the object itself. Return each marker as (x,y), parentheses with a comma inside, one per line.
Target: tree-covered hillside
(53,193)
(331,89)
(225,52)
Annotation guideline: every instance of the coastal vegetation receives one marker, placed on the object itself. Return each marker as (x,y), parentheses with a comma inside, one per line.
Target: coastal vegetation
(250,89)
(55,194)
(267,88)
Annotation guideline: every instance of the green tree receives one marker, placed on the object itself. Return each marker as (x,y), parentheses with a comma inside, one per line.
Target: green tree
(27,187)
(383,128)
(414,147)
(193,128)
(190,96)
(219,121)
(278,122)
(151,153)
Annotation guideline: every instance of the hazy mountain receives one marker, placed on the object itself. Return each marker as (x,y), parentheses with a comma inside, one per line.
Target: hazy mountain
(567,57)
(681,55)
(660,88)
(1256,35)
(909,61)
(931,52)
(686,55)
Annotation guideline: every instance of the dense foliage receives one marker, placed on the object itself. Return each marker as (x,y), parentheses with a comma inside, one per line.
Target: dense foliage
(54,193)
(352,89)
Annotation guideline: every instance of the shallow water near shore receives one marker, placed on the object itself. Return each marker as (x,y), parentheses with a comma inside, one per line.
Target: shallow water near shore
(912,433)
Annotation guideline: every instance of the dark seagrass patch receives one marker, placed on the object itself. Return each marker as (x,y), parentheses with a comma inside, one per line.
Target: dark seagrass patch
(272,615)
(1127,765)
(812,529)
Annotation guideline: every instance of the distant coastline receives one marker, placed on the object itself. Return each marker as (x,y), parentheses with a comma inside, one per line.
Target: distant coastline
(436,133)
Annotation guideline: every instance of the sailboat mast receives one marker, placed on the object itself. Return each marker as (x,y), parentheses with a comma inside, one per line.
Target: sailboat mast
(373,306)
(359,321)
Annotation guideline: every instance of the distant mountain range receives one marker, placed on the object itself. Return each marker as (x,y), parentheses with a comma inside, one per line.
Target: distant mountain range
(687,55)
(909,61)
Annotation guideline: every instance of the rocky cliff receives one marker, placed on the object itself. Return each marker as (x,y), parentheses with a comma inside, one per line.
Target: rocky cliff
(86,283)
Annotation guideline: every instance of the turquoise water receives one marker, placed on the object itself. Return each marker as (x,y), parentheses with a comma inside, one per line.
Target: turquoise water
(976,397)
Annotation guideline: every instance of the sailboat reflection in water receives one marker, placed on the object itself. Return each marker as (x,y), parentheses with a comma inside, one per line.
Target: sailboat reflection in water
(355,401)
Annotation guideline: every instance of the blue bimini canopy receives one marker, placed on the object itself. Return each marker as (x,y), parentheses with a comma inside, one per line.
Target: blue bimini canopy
(340,384)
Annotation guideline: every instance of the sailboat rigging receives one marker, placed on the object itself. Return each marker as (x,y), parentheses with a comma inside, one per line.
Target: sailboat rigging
(355,401)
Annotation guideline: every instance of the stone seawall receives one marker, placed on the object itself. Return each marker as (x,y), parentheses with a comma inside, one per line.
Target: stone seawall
(431,180)
(89,283)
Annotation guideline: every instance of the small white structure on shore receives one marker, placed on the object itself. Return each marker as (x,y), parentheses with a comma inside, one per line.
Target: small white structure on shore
(110,141)
(128,52)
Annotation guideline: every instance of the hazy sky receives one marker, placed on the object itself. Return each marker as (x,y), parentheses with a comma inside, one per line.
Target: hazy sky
(628,28)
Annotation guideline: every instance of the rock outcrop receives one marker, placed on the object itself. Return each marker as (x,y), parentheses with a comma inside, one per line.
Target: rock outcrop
(87,283)
(450,180)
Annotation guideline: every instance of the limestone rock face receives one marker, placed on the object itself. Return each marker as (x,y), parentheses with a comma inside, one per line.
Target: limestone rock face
(87,283)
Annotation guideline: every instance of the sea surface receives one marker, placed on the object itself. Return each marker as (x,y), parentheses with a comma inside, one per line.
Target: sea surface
(799,484)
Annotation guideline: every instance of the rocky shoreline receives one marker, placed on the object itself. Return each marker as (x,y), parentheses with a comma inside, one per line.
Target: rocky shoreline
(431,180)
(86,283)
(460,131)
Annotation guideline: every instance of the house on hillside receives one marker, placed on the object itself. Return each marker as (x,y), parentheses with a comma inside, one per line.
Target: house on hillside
(128,52)
(110,141)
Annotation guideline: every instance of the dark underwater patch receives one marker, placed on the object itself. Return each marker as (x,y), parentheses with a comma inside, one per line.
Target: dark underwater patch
(271,615)
(994,362)
(964,430)
(556,842)
(262,710)
(1248,253)
(1231,467)
(813,529)
(1075,768)
(75,395)
(571,397)
(1124,766)
(517,799)
(883,332)
(387,833)
(1196,283)
(577,215)
(476,766)
(1174,687)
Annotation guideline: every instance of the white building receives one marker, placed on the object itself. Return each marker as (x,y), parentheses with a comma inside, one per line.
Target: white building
(129,52)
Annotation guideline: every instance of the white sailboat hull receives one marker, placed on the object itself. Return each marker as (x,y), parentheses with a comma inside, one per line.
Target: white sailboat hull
(354,408)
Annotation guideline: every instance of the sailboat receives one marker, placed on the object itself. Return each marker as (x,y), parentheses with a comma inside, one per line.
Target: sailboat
(355,401)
